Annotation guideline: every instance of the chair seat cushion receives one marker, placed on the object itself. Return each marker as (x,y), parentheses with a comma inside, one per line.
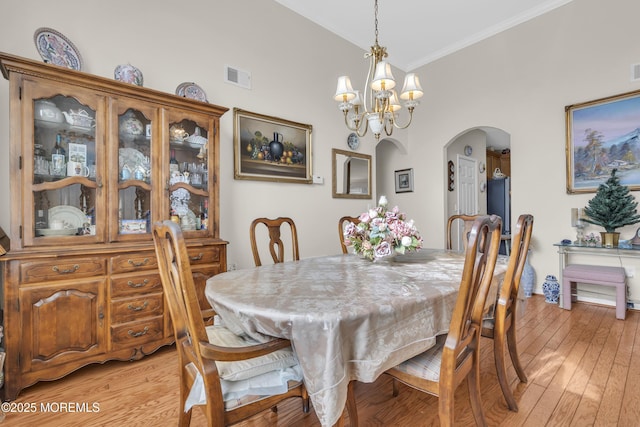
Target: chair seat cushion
(243,392)
(427,364)
(244,369)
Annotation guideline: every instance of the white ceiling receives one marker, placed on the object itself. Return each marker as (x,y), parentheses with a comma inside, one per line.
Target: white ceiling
(416,32)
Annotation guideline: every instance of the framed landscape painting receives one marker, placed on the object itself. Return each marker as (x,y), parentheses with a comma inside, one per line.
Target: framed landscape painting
(271,149)
(603,135)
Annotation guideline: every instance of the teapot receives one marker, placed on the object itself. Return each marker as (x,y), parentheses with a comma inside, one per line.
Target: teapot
(79,118)
(47,111)
(497,173)
(177,133)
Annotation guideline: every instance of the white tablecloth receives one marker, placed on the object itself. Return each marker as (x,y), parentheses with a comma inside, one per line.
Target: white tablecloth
(347,318)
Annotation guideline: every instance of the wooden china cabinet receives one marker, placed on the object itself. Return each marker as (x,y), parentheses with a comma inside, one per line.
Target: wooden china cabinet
(80,284)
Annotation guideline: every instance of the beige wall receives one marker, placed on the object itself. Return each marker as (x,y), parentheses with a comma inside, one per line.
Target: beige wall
(518,81)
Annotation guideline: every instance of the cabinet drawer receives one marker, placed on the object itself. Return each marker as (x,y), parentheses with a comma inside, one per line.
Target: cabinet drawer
(129,309)
(62,269)
(131,285)
(208,255)
(134,334)
(134,262)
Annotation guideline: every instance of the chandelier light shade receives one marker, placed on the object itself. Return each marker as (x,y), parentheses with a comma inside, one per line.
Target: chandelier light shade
(378,107)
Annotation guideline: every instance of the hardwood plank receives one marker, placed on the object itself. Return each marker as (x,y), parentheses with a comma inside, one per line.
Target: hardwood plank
(630,405)
(593,394)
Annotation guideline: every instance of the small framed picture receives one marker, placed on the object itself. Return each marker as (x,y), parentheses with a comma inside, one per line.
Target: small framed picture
(404,180)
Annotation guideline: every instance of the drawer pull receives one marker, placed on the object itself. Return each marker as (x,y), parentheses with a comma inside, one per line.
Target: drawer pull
(138,264)
(67,271)
(139,334)
(197,257)
(138,307)
(137,285)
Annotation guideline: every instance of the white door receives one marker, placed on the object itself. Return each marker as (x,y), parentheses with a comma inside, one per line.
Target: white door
(467,195)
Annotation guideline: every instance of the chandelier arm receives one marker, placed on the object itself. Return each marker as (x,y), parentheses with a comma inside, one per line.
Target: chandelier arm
(358,124)
(360,133)
(388,126)
(408,123)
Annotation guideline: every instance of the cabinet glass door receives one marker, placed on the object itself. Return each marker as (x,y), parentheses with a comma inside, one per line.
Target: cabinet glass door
(134,181)
(188,168)
(61,153)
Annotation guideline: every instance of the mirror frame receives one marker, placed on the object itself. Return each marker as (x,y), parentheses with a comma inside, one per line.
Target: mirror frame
(334,155)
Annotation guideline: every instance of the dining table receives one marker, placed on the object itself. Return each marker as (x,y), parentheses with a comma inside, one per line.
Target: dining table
(347,318)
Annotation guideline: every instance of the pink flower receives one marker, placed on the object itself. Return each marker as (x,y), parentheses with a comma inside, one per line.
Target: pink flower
(383,249)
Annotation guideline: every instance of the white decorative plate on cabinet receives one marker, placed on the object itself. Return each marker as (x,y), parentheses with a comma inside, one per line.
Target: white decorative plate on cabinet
(72,217)
(191,90)
(54,48)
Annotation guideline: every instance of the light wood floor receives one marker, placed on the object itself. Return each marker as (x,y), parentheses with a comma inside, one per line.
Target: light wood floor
(583,367)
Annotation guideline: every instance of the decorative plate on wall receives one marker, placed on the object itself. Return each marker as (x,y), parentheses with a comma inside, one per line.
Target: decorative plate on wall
(353,141)
(54,48)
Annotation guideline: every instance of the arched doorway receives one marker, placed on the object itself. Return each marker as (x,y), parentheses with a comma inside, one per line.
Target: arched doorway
(480,144)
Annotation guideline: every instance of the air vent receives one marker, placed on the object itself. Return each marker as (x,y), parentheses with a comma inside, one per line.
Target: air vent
(237,77)
(635,72)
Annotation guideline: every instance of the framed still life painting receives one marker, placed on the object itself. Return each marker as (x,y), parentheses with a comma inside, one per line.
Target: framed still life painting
(603,135)
(271,149)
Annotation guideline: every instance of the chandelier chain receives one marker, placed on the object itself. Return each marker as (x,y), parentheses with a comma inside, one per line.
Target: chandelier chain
(376,20)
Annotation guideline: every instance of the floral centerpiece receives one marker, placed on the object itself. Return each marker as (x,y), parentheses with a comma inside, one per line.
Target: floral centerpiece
(382,232)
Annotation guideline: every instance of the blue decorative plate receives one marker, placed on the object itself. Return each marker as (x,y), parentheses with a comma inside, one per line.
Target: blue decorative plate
(54,48)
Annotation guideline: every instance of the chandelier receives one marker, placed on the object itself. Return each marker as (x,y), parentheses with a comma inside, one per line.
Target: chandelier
(380,103)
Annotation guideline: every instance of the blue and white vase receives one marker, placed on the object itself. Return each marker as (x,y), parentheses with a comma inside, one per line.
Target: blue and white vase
(551,289)
(528,277)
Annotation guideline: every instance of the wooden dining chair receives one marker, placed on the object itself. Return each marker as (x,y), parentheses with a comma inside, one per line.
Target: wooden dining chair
(501,327)
(276,246)
(214,353)
(456,356)
(341,224)
(467,223)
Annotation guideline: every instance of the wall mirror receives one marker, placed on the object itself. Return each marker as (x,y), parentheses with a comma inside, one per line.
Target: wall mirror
(351,175)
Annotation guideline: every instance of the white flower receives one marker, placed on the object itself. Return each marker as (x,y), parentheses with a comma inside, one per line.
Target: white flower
(406,241)
(383,201)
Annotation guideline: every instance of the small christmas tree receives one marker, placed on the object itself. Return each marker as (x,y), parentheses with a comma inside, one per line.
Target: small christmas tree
(612,207)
